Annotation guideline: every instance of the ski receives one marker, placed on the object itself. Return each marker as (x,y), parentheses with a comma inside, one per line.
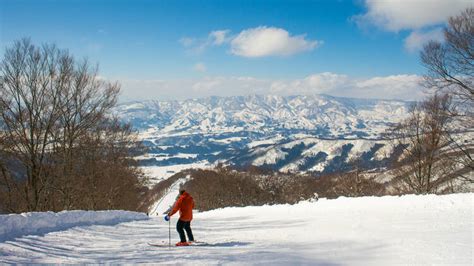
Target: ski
(163,244)
(160,245)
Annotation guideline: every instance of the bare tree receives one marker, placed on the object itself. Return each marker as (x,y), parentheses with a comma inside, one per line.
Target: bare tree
(54,110)
(31,81)
(422,136)
(450,64)
(450,68)
(84,102)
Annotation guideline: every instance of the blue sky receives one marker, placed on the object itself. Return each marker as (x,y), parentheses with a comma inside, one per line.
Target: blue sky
(179,49)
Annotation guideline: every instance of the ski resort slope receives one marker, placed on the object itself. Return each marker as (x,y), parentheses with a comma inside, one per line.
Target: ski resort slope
(347,231)
(165,204)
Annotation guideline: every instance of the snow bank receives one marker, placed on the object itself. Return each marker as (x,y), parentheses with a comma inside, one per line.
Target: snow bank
(34,223)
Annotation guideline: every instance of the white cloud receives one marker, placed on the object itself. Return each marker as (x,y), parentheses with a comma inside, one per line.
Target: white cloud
(317,83)
(269,41)
(390,87)
(326,81)
(200,67)
(187,42)
(416,16)
(197,46)
(415,41)
(405,87)
(227,86)
(208,84)
(218,37)
(254,42)
(396,15)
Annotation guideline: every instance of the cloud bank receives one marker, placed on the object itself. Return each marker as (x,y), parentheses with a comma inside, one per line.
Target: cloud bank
(404,87)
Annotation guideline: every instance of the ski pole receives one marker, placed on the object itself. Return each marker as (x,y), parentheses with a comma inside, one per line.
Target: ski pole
(169,233)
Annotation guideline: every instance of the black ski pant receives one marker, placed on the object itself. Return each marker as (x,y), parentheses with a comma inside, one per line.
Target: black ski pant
(181,226)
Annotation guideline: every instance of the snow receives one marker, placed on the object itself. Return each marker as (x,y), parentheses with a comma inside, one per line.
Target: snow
(319,167)
(167,201)
(327,146)
(388,230)
(227,140)
(269,141)
(384,151)
(157,174)
(164,156)
(149,133)
(331,147)
(33,223)
(270,157)
(360,146)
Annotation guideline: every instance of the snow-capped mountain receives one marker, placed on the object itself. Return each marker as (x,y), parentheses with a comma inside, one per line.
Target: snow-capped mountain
(326,116)
(294,133)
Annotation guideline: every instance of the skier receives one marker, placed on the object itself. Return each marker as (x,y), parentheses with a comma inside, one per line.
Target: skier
(184,205)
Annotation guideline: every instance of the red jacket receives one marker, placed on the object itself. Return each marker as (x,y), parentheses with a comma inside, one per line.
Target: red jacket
(184,205)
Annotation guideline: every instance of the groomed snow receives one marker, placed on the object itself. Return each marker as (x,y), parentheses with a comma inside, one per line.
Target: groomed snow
(33,223)
(388,230)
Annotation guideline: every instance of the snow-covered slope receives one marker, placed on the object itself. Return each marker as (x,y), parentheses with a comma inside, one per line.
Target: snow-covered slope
(33,223)
(164,204)
(407,230)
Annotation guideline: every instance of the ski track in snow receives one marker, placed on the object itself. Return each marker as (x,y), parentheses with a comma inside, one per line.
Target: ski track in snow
(168,200)
(346,231)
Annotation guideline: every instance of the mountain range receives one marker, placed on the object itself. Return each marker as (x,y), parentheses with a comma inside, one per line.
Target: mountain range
(317,133)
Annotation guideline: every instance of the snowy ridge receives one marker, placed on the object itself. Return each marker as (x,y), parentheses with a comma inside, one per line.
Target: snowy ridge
(316,155)
(293,153)
(317,133)
(328,116)
(34,223)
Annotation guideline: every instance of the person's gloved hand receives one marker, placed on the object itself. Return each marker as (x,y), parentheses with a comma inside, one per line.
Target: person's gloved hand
(167,218)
